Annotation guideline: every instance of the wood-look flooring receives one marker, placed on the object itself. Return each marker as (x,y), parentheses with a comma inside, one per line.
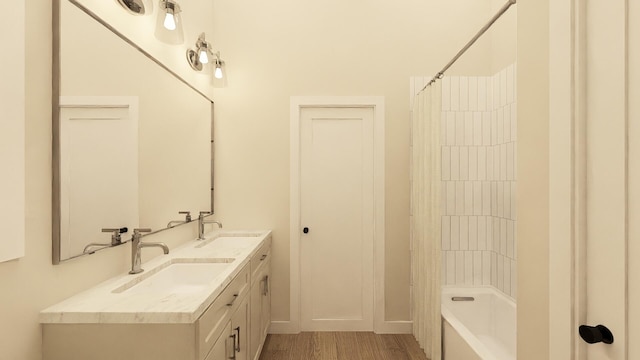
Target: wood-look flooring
(341,346)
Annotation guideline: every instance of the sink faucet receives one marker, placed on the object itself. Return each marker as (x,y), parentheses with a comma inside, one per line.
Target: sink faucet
(116,240)
(187,218)
(137,245)
(202,222)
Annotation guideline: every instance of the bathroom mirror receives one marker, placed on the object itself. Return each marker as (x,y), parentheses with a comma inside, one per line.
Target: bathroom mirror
(132,142)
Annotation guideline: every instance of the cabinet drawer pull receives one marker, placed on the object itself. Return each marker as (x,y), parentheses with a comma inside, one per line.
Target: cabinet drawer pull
(233,347)
(235,297)
(265,289)
(263,257)
(238,331)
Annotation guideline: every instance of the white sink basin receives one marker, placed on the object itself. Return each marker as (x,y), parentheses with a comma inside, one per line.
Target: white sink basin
(232,239)
(178,276)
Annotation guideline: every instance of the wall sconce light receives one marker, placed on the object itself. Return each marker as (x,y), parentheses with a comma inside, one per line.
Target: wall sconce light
(135,7)
(200,56)
(171,9)
(218,73)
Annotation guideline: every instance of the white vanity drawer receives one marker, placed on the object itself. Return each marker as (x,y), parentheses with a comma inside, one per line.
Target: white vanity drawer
(260,258)
(212,323)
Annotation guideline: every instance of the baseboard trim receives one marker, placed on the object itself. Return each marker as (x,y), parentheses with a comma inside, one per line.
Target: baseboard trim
(387,327)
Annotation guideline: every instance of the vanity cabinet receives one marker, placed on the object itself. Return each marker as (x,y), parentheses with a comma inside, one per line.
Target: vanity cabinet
(260,299)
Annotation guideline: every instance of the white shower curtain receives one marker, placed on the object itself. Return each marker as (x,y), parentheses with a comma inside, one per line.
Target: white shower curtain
(425,220)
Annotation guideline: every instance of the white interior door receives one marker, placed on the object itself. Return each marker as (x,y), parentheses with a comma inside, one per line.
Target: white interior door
(612,180)
(337,218)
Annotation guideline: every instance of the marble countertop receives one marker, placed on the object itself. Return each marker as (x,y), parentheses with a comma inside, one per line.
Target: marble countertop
(101,304)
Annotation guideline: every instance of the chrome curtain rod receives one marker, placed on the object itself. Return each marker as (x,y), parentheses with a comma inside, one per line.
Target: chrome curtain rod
(484,29)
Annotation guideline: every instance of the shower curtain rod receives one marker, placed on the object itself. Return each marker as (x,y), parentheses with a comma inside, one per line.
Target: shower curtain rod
(484,29)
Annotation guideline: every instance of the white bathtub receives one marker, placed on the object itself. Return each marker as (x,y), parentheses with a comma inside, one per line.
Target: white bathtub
(482,329)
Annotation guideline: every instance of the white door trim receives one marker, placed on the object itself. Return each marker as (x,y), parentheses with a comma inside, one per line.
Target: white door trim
(377,104)
(567,178)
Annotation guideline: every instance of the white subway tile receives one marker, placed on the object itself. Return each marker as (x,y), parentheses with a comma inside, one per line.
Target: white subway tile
(510,84)
(514,121)
(490,164)
(468,198)
(464,93)
(443,128)
(446,93)
(486,128)
(473,233)
(460,128)
(496,235)
(494,269)
(443,269)
(446,233)
(482,163)
(494,198)
(510,163)
(477,198)
(499,198)
(464,233)
(468,268)
(500,272)
(477,128)
(451,267)
(486,268)
(455,93)
(473,163)
(454,154)
(515,240)
(494,127)
(496,163)
(499,126)
(490,233)
(506,111)
(460,267)
(451,198)
(464,163)
(477,268)
(503,161)
(503,87)
(507,199)
(451,128)
(455,233)
(473,93)
(459,198)
(443,198)
(445,163)
(503,237)
(482,93)
(468,128)
(514,208)
(486,198)
(490,93)
(510,239)
(507,275)
(482,233)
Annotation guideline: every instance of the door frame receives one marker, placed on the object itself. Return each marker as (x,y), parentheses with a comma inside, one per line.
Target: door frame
(297,103)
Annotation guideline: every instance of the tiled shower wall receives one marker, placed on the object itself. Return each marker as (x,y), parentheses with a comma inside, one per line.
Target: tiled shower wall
(478,135)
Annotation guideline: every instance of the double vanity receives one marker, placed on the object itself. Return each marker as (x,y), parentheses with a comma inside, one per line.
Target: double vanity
(206,300)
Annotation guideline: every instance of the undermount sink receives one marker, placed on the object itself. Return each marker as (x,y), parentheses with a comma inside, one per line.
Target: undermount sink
(178,276)
(240,239)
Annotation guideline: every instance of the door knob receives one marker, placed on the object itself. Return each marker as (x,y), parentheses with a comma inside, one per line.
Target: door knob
(595,334)
(305,230)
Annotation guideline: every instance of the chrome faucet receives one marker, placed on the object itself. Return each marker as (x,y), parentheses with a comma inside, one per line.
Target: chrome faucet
(116,240)
(187,218)
(136,247)
(202,222)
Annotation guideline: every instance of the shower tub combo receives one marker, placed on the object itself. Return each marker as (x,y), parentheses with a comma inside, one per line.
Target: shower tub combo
(478,323)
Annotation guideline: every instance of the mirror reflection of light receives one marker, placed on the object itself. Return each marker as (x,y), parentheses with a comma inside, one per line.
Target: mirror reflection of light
(218,72)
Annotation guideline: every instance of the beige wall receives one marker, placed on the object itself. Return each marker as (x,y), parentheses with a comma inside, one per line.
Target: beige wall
(285,48)
(533,179)
(504,37)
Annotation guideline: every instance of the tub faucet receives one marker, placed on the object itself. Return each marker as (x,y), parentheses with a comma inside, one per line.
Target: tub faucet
(136,247)
(202,222)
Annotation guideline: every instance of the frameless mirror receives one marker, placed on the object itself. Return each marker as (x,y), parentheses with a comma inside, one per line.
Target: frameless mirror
(132,141)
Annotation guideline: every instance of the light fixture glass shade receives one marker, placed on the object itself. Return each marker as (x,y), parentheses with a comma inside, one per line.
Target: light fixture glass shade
(218,72)
(203,57)
(169,21)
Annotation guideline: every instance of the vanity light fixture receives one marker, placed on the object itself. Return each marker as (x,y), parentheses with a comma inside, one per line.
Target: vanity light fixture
(218,74)
(135,7)
(200,56)
(171,9)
